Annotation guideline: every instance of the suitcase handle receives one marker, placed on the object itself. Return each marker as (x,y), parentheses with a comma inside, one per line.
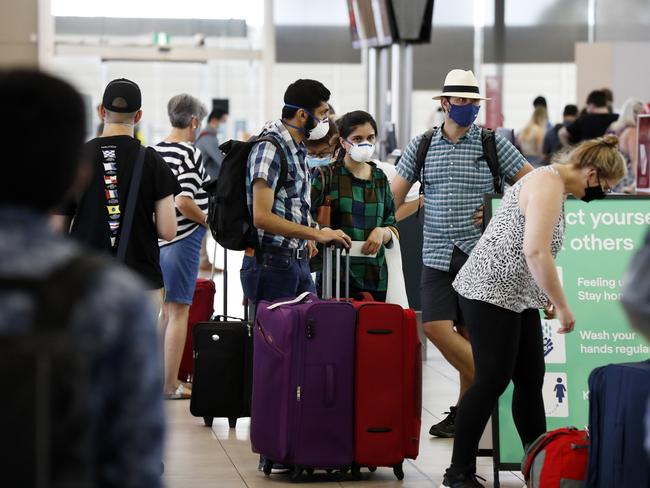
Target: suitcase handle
(298,299)
(327,272)
(222,318)
(365,296)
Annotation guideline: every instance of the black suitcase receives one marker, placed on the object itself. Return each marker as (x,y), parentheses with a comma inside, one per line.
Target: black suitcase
(222,352)
(223,369)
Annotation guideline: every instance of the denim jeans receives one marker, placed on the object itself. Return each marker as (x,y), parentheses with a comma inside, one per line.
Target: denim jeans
(272,276)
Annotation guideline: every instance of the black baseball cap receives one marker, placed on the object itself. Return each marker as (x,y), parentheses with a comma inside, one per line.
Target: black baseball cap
(125,89)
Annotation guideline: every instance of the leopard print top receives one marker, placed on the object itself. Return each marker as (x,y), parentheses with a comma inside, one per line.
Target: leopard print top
(496,271)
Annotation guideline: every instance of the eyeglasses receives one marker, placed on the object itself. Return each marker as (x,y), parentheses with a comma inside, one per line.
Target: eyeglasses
(607,189)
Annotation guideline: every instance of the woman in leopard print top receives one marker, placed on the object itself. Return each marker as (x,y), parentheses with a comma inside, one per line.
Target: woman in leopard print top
(509,276)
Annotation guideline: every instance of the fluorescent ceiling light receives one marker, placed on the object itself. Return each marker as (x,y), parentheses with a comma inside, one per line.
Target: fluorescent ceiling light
(250,10)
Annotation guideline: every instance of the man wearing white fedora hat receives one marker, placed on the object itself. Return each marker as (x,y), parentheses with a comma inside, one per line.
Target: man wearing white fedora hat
(456,173)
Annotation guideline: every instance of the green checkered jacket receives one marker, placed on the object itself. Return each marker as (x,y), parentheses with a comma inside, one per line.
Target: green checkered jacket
(358,207)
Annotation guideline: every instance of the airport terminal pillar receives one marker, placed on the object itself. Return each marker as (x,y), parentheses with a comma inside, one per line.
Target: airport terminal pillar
(620,66)
(19,33)
(402,91)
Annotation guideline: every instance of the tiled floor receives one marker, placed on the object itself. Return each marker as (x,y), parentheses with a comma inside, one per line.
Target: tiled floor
(199,457)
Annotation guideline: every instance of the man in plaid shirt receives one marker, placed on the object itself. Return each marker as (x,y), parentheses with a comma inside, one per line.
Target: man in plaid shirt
(282,215)
(456,177)
(279,266)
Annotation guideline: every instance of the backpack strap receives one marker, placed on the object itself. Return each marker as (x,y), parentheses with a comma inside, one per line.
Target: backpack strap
(420,159)
(488,141)
(131,203)
(421,155)
(284,166)
(57,293)
(325,192)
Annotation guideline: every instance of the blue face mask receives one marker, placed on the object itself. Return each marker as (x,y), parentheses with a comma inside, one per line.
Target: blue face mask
(464,115)
(314,162)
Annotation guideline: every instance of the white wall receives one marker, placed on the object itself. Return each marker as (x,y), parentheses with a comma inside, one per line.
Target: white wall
(621,66)
(523,82)
(239,81)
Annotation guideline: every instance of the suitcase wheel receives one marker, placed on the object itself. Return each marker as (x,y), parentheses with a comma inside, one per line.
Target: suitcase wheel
(268,466)
(296,474)
(399,471)
(232,422)
(309,471)
(208,421)
(372,469)
(355,470)
(342,474)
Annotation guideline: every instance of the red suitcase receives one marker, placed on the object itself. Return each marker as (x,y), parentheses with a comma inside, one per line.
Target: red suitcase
(201,311)
(388,386)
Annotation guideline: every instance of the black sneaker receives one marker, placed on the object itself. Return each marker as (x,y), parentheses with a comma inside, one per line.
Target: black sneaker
(446,428)
(455,479)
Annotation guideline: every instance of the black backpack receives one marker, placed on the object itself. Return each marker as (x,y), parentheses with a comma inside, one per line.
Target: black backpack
(44,419)
(488,141)
(229,219)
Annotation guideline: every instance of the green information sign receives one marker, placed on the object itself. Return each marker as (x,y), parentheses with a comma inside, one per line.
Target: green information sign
(601,238)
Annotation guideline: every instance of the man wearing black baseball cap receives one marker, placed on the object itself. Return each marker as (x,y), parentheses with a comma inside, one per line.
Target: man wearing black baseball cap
(99,212)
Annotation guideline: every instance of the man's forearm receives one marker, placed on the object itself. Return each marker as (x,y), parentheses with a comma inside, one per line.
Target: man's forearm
(279,226)
(407,209)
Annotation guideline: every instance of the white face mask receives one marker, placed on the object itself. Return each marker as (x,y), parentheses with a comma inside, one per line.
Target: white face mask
(320,130)
(362,152)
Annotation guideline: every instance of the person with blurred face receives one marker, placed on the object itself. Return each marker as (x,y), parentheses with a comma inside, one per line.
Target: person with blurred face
(455,176)
(361,203)
(510,276)
(321,152)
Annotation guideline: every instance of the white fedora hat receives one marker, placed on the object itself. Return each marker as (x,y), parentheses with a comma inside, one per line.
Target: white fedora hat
(462,84)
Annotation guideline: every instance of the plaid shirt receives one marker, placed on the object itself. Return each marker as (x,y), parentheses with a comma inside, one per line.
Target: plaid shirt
(358,206)
(456,178)
(292,201)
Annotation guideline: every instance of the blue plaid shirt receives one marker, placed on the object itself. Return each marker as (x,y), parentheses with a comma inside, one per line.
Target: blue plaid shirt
(114,329)
(293,200)
(456,178)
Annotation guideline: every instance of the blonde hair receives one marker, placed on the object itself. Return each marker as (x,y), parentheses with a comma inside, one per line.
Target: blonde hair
(536,122)
(602,154)
(629,113)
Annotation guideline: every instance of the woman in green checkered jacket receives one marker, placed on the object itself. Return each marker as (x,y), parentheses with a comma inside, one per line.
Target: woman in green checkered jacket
(361,203)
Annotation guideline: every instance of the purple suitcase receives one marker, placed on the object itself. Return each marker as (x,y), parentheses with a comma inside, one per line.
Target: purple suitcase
(303,383)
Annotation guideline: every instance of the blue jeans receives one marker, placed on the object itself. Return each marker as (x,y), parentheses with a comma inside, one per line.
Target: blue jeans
(272,276)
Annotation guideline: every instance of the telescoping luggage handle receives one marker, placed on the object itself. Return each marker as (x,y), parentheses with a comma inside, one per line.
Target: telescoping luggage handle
(327,272)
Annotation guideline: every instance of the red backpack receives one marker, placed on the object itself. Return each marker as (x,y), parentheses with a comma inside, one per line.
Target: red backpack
(557,459)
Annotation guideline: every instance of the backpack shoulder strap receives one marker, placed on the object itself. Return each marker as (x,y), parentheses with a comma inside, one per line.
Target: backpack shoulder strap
(489,143)
(131,203)
(57,293)
(421,154)
(284,167)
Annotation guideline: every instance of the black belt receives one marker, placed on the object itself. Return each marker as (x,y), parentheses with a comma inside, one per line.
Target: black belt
(285,251)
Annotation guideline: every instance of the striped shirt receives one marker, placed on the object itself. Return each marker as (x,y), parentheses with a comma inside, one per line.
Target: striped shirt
(186,163)
(292,202)
(456,178)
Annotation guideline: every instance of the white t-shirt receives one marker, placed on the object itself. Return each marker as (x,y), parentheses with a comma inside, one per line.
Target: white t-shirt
(390,172)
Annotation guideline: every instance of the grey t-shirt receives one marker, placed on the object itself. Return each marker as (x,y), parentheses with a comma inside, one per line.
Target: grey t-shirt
(208,143)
